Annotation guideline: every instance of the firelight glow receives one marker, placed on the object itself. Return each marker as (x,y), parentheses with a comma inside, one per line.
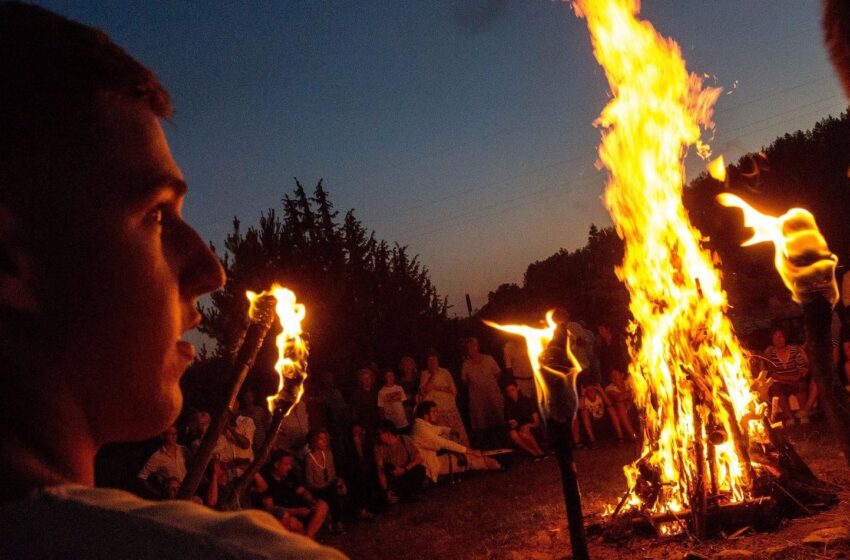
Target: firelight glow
(690,373)
(291,365)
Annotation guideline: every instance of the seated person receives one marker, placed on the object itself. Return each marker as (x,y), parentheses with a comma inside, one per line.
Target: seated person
(522,418)
(591,408)
(169,461)
(589,383)
(430,438)
(286,491)
(621,395)
(788,368)
(399,464)
(391,399)
(235,445)
(321,478)
(220,492)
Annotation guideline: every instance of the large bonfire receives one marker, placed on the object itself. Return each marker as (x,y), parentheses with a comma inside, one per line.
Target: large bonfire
(690,374)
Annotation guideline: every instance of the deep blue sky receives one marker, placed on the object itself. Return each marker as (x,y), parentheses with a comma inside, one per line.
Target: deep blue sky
(461,129)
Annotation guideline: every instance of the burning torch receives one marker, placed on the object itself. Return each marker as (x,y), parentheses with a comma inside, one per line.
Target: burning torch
(261,316)
(555,372)
(807,267)
(291,367)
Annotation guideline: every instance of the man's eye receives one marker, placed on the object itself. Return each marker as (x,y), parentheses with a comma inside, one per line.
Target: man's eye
(157,214)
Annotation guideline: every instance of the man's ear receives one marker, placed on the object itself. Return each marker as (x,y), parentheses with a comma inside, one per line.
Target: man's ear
(17,267)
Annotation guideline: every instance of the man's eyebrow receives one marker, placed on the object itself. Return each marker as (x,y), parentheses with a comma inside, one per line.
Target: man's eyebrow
(161,183)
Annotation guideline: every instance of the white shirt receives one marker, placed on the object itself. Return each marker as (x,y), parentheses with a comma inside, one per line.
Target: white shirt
(227,450)
(391,401)
(172,466)
(102,523)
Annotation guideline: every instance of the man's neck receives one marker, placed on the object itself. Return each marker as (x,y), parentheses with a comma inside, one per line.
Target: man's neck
(43,445)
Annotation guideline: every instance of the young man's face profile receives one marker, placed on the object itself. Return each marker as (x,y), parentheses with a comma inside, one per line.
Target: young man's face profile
(123,278)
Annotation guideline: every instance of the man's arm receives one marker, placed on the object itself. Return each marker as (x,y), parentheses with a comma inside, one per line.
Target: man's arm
(240,440)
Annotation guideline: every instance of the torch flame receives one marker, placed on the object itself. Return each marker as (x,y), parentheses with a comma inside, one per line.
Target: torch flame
(802,257)
(291,365)
(689,371)
(537,340)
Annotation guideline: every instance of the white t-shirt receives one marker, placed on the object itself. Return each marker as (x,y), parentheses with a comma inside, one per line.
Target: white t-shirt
(101,523)
(227,450)
(391,401)
(170,466)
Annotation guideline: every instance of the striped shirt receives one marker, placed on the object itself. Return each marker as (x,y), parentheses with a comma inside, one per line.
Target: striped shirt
(786,372)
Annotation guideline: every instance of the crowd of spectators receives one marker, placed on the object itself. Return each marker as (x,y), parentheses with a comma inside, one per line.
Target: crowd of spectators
(397,431)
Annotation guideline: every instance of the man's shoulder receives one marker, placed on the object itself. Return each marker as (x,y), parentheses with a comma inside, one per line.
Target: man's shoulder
(80,522)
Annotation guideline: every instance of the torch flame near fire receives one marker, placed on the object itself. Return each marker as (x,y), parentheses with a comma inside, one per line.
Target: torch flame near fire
(291,365)
(802,257)
(536,340)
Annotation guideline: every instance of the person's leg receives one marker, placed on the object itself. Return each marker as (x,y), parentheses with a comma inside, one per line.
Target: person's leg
(476,463)
(319,514)
(810,397)
(520,442)
(291,523)
(588,426)
(625,421)
(785,408)
(576,433)
(615,420)
(410,483)
(527,435)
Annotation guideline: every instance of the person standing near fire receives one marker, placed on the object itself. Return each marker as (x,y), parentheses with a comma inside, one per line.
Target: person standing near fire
(438,385)
(486,404)
(99,280)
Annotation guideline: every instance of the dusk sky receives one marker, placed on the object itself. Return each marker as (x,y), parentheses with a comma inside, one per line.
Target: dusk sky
(460,129)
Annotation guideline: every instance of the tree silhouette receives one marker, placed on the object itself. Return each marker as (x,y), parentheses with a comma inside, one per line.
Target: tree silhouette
(366,299)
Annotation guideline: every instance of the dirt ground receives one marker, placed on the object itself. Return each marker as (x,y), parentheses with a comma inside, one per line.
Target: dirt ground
(519,514)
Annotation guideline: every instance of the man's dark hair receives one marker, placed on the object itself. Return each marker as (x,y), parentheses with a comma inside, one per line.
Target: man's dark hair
(425,408)
(836,28)
(54,74)
(279,454)
(386,427)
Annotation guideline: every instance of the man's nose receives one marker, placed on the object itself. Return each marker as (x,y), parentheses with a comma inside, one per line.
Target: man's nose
(201,272)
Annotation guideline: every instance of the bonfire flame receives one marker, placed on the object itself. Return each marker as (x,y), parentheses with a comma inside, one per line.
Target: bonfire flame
(690,374)
(555,381)
(804,261)
(291,365)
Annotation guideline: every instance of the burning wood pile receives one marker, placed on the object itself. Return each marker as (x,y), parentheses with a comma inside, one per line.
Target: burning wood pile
(710,461)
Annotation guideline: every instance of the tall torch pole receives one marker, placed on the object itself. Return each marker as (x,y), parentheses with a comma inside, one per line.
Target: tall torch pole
(807,267)
(555,371)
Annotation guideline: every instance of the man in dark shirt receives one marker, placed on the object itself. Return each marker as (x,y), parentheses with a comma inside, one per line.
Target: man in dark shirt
(400,469)
(286,491)
(522,418)
(364,402)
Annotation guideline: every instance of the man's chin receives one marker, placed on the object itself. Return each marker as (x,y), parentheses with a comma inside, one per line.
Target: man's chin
(147,420)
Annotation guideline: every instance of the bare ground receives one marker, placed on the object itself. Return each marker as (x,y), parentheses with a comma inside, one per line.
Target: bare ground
(519,514)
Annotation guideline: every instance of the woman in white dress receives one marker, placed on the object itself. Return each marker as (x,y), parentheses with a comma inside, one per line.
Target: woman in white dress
(436,384)
(486,402)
